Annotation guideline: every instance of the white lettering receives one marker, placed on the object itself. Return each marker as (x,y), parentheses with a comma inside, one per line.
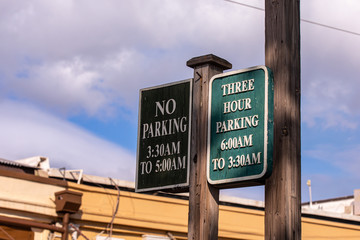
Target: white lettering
(165,106)
(160,107)
(238,87)
(237,105)
(164,127)
(233,124)
(173,106)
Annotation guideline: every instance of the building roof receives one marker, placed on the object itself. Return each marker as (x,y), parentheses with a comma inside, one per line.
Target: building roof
(16,166)
(13,163)
(79,177)
(329,200)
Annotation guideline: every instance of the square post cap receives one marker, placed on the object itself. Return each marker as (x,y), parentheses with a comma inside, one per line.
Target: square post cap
(209,59)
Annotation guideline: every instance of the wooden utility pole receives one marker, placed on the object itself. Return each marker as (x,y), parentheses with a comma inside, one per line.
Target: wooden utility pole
(203,199)
(282,55)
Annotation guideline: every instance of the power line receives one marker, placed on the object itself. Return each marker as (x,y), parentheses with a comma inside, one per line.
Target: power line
(245,5)
(304,20)
(331,27)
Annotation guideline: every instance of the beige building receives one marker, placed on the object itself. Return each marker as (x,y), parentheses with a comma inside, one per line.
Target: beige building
(36,200)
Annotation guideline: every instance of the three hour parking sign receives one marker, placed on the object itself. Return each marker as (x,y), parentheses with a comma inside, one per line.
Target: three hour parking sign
(240,127)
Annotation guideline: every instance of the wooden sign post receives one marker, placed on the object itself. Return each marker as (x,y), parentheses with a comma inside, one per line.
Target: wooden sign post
(282,55)
(204,198)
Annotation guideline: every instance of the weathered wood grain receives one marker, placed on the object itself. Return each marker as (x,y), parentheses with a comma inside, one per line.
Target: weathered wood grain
(282,55)
(203,199)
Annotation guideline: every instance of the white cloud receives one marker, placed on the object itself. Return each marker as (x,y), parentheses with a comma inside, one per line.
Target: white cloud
(66,85)
(332,12)
(329,104)
(344,158)
(90,57)
(108,51)
(80,55)
(330,75)
(27,131)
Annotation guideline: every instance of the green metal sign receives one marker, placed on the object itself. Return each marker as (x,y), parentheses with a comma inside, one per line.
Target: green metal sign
(240,128)
(164,137)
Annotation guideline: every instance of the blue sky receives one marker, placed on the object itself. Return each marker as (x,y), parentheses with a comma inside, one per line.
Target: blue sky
(70,74)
